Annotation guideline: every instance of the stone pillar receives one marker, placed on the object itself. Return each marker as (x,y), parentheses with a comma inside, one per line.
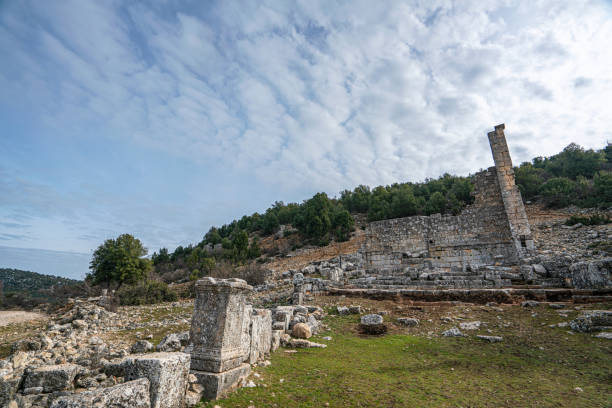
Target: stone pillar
(511,196)
(298,289)
(217,326)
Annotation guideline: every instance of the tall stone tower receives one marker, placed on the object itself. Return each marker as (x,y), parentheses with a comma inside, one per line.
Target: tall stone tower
(511,196)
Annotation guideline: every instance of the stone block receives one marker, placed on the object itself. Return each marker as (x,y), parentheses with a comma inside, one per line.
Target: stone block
(261,334)
(8,388)
(276,336)
(51,378)
(131,394)
(167,374)
(217,385)
(218,324)
(592,274)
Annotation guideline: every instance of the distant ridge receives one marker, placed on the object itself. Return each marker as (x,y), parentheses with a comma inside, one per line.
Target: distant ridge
(16,280)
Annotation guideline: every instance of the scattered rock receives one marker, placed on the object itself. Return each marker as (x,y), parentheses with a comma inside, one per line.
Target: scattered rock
(475,325)
(301,331)
(372,324)
(453,332)
(604,335)
(530,303)
(408,321)
(141,346)
(173,342)
(556,306)
(301,343)
(51,378)
(491,339)
(592,320)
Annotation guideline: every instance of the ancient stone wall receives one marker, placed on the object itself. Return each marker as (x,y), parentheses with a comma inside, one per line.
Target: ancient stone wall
(494,229)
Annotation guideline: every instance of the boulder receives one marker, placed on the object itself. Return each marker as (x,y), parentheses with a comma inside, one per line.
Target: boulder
(303,343)
(167,374)
(131,394)
(408,321)
(173,342)
(592,320)
(539,269)
(491,339)
(8,388)
(453,332)
(141,346)
(372,324)
(530,303)
(51,378)
(475,325)
(592,274)
(342,310)
(301,331)
(355,309)
(276,336)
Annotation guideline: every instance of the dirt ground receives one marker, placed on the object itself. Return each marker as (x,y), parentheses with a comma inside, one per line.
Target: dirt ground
(17,316)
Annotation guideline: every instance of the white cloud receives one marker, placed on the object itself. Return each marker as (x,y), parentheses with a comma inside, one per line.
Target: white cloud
(318,95)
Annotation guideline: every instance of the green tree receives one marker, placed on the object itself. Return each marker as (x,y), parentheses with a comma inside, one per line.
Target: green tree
(118,261)
(558,192)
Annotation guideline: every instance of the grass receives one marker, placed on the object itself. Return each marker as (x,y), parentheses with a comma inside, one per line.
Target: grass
(535,365)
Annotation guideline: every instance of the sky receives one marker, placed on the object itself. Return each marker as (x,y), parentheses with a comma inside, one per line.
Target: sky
(162,120)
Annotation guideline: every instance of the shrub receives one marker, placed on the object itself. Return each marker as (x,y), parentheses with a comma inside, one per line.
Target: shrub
(595,219)
(146,293)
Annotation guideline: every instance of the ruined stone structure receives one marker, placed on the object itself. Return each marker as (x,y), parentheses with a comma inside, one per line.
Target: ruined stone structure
(219,330)
(492,231)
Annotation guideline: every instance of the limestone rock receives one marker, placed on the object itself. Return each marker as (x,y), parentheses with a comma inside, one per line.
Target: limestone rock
(141,346)
(592,274)
(491,339)
(217,385)
(303,343)
(604,335)
(173,342)
(475,325)
(530,303)
(592,320)
(167,374)
(276,335)
(261,334)
(301,331)
(453,332)
(372,324)
(132,394)
(51,378)
(408,321)
(342,310)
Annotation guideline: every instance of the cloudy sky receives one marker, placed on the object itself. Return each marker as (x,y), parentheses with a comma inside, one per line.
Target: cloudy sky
(162,120)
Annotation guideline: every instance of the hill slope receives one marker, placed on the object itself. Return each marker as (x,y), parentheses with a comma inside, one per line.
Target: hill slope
(16,280)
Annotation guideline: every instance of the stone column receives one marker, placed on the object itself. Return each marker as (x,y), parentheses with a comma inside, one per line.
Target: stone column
(511,196)
(298,289)
(218,345)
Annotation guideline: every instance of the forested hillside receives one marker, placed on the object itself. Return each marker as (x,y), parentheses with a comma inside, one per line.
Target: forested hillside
(26,289)
(16,280)
(574,176)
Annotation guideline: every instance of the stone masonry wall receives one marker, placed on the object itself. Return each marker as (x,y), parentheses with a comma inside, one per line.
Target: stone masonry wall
(480,235)
(494,229)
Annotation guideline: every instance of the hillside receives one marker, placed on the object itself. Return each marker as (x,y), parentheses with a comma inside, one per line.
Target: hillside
(574,176)
(16,280)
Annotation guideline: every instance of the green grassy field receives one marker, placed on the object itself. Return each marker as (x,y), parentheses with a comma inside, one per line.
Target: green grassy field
(535,366)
